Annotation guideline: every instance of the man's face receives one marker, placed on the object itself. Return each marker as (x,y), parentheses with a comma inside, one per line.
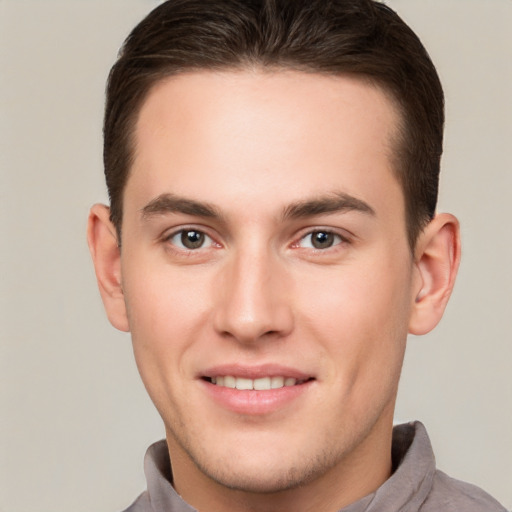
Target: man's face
(264,245)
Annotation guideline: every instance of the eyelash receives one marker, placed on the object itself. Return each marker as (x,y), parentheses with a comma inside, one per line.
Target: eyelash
(339,239)
(182,231)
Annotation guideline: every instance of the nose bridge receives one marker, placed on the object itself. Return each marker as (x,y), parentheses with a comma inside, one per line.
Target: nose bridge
(251,295)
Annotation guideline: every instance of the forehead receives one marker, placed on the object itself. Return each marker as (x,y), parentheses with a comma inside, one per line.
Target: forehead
(295,132)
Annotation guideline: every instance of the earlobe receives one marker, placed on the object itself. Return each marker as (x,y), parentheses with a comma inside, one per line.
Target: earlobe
(437,258)
(106,256)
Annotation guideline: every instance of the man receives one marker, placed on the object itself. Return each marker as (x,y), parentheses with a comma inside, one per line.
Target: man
(272,168)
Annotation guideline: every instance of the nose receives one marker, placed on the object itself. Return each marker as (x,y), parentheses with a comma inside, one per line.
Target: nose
(252,299)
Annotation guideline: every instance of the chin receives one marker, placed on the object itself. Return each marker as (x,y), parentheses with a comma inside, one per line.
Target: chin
(266,471)
(262,480)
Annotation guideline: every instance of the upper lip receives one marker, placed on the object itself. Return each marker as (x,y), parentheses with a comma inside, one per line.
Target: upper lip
(255,371)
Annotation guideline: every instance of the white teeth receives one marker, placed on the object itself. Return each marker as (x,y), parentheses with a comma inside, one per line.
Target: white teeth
(229,382)
(242,383)
(277,382)
(261,384)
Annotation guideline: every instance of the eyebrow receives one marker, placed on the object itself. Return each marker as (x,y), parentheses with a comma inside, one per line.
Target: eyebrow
(333,203)
(170,203)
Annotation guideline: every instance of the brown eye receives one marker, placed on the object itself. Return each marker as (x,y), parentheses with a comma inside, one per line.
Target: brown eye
(192,239)
(320,240)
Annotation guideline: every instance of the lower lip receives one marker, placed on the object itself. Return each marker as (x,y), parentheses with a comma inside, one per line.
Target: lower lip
(252,402)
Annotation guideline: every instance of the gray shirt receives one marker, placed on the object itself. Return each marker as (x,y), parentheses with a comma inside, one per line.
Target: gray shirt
(415,485)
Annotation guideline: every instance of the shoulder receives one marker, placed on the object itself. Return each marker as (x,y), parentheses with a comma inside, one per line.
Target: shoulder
(450,495)
(141,504)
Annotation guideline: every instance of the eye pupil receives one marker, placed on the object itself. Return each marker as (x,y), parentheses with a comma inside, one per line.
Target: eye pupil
(322,239)
(192,239)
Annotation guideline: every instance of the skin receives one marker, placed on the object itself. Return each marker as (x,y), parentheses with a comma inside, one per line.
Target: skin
(261,163)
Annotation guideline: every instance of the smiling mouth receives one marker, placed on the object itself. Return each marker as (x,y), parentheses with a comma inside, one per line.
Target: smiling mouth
(260,384)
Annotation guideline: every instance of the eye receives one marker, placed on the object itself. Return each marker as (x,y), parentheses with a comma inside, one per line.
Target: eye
(190,239)
(320,239)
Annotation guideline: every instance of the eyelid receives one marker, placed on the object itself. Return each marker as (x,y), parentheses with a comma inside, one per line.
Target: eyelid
(169,234)
(345,237)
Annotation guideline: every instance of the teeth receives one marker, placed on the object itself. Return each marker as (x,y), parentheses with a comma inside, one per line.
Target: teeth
(243,383)
(262,384)
(277,382)
(229,382)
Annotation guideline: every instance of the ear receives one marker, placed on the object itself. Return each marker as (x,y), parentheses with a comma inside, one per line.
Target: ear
(106,256)
(437,257)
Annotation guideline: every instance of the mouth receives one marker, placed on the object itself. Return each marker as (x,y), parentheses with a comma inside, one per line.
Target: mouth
(256,391)
(259,384)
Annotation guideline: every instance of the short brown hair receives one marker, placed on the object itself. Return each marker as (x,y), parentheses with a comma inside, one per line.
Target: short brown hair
(357,37)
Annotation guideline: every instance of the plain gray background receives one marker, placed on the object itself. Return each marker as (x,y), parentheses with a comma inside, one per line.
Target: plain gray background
(74,417)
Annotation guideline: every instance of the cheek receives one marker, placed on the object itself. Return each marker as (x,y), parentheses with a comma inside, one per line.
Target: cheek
(166,313)
(361,315)
(162,299)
